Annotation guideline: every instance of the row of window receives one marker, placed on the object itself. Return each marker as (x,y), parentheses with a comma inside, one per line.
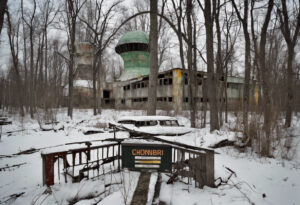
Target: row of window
(164,81)
(169,81)
(197,99)
(144,84)
(186,81)
(159,99)
(167,99)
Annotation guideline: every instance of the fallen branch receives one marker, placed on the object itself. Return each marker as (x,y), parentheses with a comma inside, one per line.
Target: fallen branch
(12,197)
(90,132)
(116,183)
(28,151)
(172,178)
(222,143)
(12,166)
(249,200)
(221,181)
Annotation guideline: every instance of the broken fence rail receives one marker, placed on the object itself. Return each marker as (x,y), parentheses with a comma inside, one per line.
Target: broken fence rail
(80,163)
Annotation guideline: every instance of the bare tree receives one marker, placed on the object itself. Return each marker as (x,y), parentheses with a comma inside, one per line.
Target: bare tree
(13,37)
(99,28)
(29,21)
(49,11)
(192,74)
(211,77)
(287,28)
(244,21)
(231,29)
(3,7)
(265,78)
(73,8)
(151,110)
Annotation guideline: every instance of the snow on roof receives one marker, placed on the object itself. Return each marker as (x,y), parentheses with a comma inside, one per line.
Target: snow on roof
(146,118)
(143,141)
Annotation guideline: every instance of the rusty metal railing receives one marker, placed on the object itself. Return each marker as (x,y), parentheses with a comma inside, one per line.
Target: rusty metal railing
(76,164)
(195,165)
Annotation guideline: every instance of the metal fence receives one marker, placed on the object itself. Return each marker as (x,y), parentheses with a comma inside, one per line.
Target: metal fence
(194,163)
(76,164)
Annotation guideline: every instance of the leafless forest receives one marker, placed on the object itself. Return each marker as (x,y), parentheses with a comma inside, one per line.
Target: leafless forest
(256,39)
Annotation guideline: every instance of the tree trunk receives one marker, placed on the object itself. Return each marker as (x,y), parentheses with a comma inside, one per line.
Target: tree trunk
(265,81)
(246,83)
(214,119)
(191,85)
(14,54)
(100,80)
(31,84)
(291,40)
(3,6)
(244,22)
(290,95)
(71,75)
(153,59)
(220,72)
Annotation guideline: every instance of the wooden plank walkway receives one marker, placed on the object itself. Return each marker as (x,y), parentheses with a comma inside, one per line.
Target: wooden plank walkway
(141,192)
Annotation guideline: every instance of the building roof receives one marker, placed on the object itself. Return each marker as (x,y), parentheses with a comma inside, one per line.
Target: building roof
(134,37)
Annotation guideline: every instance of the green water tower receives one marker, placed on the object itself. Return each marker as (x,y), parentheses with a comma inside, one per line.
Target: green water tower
(133,48)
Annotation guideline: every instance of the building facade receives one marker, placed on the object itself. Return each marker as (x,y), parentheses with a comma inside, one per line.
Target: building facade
(131,90)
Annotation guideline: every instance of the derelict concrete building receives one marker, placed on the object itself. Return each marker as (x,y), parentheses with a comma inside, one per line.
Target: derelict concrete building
(82,83)
(131,91)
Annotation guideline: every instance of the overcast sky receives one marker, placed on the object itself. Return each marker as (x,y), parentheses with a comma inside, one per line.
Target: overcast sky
(173,59)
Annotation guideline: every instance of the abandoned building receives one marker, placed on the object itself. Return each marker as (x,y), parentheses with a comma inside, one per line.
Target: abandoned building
(82,83)
(131,89)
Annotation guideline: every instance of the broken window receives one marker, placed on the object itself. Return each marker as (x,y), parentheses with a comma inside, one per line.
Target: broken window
(165,81)
(106,94)
(160,82)
(186,82)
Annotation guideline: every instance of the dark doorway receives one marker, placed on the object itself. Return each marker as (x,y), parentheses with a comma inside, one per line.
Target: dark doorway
(106,94)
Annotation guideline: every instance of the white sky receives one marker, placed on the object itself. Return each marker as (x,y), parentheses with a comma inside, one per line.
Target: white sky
(173,59)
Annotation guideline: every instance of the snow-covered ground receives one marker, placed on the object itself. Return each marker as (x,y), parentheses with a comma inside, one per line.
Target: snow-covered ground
(258,180)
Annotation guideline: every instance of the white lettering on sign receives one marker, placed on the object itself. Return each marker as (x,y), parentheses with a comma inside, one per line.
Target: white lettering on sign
(147,157)
(146,166)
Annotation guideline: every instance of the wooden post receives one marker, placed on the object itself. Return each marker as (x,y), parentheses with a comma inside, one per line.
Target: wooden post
(48,169)
(119,156)
(210,168)
(114,132)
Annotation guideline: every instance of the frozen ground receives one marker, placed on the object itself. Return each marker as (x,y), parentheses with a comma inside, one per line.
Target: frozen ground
(257,180)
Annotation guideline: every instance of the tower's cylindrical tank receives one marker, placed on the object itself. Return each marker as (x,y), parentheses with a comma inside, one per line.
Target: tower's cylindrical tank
(133,48)
(84,60)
